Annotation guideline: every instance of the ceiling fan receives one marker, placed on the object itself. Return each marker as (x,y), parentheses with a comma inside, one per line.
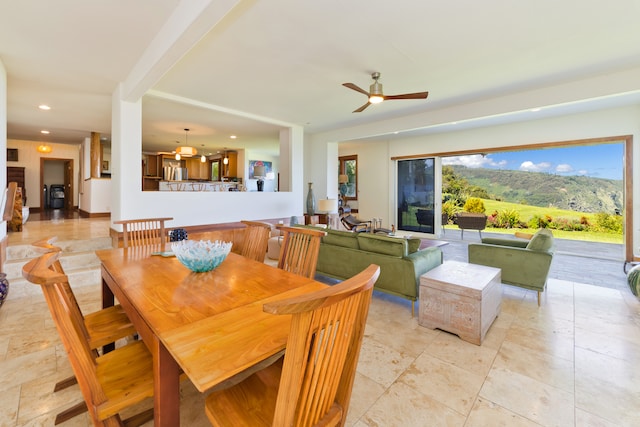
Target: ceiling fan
(376,96)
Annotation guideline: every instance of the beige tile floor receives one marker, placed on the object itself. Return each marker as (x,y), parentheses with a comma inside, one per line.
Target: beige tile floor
(570,362)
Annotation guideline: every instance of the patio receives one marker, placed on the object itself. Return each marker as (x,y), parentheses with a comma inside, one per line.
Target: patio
(592,263)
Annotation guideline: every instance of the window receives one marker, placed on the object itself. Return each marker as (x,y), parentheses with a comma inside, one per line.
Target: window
(349,167)
(416,195)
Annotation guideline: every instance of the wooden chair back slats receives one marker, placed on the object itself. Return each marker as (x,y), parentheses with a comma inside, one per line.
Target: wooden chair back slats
(118,380)
(299,250)
(313,385)
(40,271)
(143,232)
(256,240)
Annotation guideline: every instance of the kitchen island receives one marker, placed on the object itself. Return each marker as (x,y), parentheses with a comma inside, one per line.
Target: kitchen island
(200,186)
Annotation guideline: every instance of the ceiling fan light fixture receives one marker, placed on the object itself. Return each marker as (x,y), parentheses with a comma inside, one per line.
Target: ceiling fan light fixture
(376,99)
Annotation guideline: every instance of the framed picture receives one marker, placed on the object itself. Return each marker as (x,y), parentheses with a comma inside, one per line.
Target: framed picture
(105,165)
(267,168)
(12,154)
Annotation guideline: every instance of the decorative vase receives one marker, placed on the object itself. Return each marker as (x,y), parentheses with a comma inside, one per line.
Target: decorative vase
(4,288)
(311,200)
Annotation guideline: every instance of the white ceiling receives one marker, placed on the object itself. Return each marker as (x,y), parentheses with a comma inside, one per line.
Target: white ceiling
(282,61)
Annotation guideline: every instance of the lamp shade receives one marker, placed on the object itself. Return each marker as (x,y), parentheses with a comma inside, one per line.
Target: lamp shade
(328,205)
(186,151)
(258,171)
(343,179)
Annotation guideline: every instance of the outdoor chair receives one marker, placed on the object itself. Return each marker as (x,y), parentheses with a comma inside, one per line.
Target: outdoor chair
(312,385)
(299,250)
(471,221)
(142,232)
(256,239)
(100,329)
(110,383)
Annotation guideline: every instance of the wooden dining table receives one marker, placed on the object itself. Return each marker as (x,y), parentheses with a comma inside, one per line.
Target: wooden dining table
(209,326)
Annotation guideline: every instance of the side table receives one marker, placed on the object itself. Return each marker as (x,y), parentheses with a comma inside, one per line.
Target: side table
(460,298)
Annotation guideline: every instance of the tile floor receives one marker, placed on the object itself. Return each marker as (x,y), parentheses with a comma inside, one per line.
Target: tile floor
(570,362)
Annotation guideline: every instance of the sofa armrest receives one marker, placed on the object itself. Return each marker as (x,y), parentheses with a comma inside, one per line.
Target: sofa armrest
(425,260)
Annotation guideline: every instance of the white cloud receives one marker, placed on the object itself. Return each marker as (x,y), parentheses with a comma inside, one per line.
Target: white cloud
(473,161)
(564,168)
(529,166)
(583,172)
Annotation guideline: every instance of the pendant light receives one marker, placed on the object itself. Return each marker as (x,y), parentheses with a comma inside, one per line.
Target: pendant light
(186,150)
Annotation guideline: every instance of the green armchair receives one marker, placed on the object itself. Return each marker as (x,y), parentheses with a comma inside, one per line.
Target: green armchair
(524,263)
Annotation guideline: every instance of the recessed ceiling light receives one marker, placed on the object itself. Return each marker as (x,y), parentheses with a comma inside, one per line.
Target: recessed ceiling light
(535,109)
(46,132)
(44,107)
(233,137)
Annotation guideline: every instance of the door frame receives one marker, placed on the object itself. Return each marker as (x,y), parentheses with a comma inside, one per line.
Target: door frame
(627,142)
(68,182)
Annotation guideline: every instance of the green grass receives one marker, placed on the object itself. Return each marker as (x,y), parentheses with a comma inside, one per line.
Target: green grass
(527,212)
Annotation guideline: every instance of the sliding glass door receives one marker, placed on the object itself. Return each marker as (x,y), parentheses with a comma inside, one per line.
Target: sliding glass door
(419,195)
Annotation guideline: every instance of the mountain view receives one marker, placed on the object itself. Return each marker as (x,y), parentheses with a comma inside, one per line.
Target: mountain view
(577,193)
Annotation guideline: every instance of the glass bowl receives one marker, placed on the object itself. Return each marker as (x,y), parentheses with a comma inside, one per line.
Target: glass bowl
(201,255)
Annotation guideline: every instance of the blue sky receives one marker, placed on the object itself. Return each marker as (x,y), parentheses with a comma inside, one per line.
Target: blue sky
(598,161)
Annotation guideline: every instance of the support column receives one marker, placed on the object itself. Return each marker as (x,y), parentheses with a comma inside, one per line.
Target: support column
(96,155)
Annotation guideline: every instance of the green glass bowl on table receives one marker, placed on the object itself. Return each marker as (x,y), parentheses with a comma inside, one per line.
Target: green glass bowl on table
(201,255)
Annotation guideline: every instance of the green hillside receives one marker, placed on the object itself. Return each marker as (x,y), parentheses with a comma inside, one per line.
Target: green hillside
(573,193)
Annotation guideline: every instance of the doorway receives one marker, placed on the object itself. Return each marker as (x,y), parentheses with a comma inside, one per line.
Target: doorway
(56,185)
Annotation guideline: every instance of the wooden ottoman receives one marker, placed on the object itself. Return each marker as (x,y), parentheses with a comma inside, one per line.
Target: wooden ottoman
(460,298)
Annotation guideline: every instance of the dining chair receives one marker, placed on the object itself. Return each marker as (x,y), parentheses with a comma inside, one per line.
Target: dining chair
(256,240)
(312,385)
(100,329)
(299,250)
(141,232)
(109,383)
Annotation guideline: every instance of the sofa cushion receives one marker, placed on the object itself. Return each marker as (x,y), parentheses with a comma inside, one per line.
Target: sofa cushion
(541,241)
(384,245)
(346,239)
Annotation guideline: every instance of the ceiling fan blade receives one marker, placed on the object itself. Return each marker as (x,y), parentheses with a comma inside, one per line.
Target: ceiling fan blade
(359,110)
(417,95)
(356,88)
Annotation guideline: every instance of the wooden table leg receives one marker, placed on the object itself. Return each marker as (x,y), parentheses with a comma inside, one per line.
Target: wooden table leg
(166,384)
(108,300)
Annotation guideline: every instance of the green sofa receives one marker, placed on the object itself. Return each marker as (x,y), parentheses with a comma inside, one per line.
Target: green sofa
(524,263)
(344,254)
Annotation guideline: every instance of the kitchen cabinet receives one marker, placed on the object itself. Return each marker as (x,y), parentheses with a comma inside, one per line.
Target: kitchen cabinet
(153,165)
(198,169)
(231,170)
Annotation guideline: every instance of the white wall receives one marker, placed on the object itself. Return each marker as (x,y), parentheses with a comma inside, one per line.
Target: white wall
(3,140)
(190,208)
(29,158)
(374,157)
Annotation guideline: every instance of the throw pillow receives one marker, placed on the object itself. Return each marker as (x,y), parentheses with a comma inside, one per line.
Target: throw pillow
(541,241)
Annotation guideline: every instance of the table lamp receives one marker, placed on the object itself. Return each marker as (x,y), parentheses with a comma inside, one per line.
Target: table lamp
(328,205)
(258,173)
(342,180)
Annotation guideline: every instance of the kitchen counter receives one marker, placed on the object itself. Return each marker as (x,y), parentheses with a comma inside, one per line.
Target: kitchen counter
(199,186)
